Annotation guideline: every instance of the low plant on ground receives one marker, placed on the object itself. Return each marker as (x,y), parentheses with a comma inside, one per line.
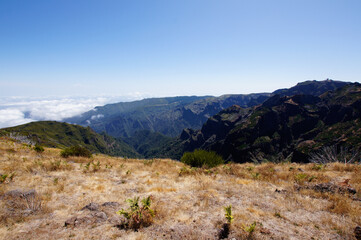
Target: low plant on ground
(38,148)
(318,167)
(184,171)
(249,168)
(77,151)
(228,214)
(91,166)
(96,166)
(148,162)
(226,226)
(302,178)
(137,215)
(202,158)
(255,176)
(250,229)
(277,214)
(3,177)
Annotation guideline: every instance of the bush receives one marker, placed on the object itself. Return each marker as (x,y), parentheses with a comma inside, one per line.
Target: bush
(202,158)
(78,151)
(38,148)
(138,216)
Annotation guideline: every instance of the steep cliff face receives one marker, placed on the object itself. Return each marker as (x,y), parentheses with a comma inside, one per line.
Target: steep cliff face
(285,125)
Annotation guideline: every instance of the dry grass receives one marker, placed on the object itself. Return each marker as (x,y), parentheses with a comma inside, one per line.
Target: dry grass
(188,202)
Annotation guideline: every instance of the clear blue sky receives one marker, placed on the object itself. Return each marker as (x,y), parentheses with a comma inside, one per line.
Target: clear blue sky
(167,48)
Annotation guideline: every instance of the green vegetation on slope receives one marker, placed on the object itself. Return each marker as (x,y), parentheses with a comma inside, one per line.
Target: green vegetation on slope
(61,135)
(148,143)
(202,158)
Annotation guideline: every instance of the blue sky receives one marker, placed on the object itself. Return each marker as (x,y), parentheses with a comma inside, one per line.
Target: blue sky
(168,48)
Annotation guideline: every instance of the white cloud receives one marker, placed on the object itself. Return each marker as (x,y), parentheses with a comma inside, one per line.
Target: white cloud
(16,110)
(12,117)
(97,116)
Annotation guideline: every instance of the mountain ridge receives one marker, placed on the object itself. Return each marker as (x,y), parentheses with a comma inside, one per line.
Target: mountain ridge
(61,135)
(170,115)
(282,124)
(221,131)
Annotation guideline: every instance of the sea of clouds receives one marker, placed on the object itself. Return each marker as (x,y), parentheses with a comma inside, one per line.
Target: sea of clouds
(20,110)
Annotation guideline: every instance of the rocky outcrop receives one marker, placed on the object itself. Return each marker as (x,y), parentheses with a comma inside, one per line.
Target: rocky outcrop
(328,187)
(95,214)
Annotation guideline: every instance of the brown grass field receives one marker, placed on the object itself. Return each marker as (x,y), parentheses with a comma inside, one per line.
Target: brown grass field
(269,201)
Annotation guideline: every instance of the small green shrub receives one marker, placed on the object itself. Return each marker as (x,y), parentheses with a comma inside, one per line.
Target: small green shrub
(148,162)
(3,178)
(202,158)
(56,181)
(91,166)
(38,148)
(318,167)
(226,226)
(185,171)
(11,150)
(277,214)
(86,167)
(228,214)
(138,216)
(302,178)
(78,151)
(255,176)
(250,228)
(249,168)
(96,166)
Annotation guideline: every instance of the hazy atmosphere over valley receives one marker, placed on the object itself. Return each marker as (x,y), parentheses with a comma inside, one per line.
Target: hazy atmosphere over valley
(186,119)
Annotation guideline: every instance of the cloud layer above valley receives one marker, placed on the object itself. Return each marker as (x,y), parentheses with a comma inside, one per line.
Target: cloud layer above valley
(16,110)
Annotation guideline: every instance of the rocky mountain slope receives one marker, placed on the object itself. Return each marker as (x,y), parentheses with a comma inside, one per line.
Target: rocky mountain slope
(169,116)
(288,126)
(311,87)
(283,125)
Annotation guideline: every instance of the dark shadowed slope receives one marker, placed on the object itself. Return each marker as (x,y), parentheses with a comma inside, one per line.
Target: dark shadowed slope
(294,125)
